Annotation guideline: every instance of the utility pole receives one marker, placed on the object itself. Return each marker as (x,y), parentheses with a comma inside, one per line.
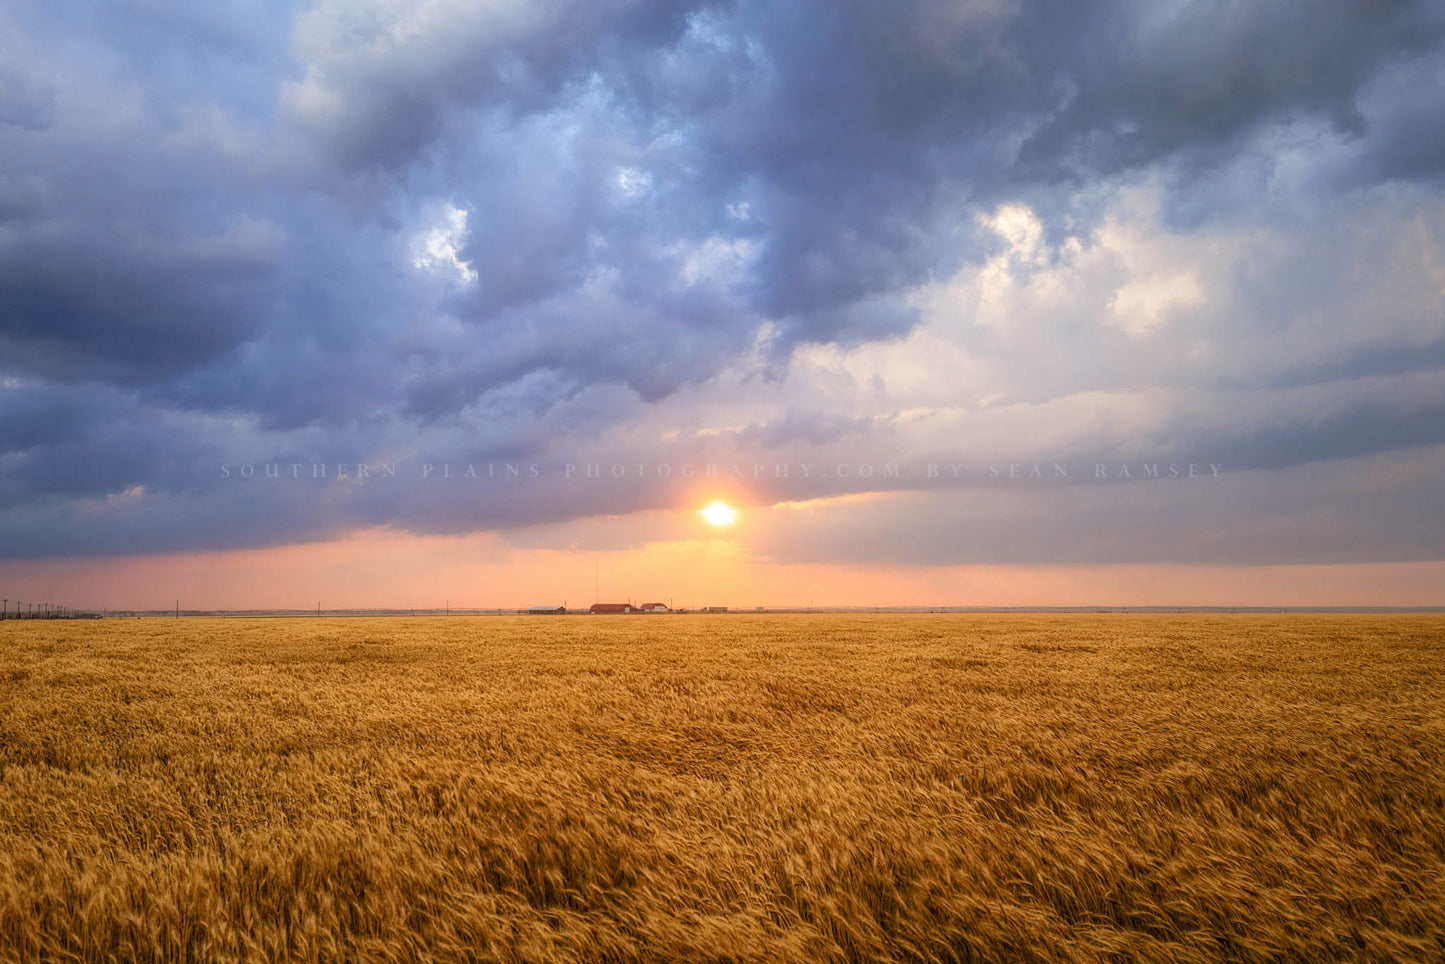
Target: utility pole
(178,609)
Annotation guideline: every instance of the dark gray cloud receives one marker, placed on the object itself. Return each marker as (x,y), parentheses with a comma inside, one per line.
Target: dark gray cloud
(129,315)
(24,103)
(1200,75)
(365,231)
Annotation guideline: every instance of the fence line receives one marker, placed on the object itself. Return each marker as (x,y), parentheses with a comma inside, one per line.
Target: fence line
(41,610)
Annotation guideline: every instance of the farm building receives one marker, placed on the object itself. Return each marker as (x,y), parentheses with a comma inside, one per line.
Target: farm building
(546,610)
(609,608)
(653,608)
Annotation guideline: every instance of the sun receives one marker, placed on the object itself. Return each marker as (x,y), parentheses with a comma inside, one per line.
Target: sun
(719,514)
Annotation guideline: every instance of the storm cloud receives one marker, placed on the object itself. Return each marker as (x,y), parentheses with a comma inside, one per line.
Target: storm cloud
(656,232)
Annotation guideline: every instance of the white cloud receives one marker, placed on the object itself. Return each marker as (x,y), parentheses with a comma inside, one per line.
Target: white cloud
(715,259)
(438,248)
(1140,306)
(633,182)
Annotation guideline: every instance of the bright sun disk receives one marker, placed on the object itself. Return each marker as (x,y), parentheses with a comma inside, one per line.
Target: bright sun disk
(719,514)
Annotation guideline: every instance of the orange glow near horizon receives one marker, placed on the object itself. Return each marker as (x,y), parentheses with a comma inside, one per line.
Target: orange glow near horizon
(386,569)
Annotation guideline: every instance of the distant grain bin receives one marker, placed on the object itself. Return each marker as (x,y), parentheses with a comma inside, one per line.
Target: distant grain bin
(546,610)
(606,609)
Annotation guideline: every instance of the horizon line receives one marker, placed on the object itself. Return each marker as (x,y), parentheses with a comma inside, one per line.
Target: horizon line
(391,611)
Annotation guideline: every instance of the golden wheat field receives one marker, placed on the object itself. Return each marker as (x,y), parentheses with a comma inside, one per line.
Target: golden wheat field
(724,788)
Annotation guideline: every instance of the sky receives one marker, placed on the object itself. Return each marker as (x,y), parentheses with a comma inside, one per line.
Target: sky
(378,303)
